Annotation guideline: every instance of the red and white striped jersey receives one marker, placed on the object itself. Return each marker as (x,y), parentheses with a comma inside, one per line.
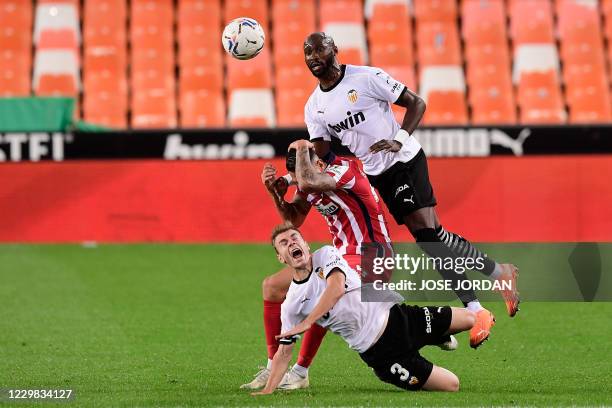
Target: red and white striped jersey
(352,211)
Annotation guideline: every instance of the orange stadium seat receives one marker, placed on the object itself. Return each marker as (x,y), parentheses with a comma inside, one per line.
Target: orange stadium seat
(531,21)
(484,22)
(253,73)
(435,10)
(203,77)
(340,11)
(446,108)
(351,56)
(256,9)
(390,12)
(390,39)
(290,102)
(491,105)
(438,44)
(105,108)
(199,24)
(289,56)
(202,109)
(153,109)
(14,82)
(53,85)
(539,98)
(488,55)
(590,106)
(293,16)
(391,54)
(105,13)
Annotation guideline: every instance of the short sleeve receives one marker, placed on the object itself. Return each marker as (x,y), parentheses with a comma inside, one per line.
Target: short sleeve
(333,260)
(342,175)
(316,129)
(288,322)
(383,86)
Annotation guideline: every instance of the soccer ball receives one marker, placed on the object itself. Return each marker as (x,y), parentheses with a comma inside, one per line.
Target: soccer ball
(243,38)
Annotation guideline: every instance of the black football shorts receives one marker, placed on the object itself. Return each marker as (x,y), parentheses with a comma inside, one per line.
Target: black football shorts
(405,187)
(395,357)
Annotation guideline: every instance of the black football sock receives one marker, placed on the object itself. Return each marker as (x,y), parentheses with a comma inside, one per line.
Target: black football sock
(462,248)
(429,241)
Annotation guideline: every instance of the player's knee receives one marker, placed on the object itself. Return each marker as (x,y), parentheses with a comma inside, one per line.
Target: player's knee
(270,290)
(452,384)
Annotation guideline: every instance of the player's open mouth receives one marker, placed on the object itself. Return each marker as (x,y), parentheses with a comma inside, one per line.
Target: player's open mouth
(316,66)
(296,253)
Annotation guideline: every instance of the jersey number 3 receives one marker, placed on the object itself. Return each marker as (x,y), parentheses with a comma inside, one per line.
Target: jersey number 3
(398,369)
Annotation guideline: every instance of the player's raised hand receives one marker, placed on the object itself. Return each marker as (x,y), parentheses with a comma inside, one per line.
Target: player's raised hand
(301,143)
(268,176)
(298,329)
(386,146)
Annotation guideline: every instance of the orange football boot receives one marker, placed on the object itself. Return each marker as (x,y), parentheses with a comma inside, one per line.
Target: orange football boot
(482,328)
(511,295)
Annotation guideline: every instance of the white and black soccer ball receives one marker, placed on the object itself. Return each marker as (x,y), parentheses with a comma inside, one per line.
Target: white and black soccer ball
(243,38)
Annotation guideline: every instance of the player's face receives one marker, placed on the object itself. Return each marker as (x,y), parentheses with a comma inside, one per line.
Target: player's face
(319,55)
(292,249)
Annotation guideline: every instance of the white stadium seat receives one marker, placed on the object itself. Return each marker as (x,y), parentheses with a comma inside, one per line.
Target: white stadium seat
(534,58)
(348,36)
(60,16)
(443,78)
(55,62)
(370,4)
(251,107)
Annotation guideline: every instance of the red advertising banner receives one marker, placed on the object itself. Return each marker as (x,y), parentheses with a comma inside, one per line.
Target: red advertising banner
(497,199)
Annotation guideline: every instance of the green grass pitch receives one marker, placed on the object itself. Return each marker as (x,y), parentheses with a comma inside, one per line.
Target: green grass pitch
(180,325)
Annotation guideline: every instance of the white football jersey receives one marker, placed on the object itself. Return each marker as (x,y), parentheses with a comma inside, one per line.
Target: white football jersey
(358,323)
(357,111)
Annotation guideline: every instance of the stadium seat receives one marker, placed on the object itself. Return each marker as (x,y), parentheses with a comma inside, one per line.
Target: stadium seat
(539,98)
(56,15)
(484,23)
(293,20)
(290,103)
(531,22)
(590,106)
(202,109)
(153,108)
(438,44)
(534,58)
(15,47)
(253,73)
(487,55)
(390,36)
(256,9)
(56,85)
(435,10)
(351,42)
(446,108)
(55,63)
(492,105)
(14,83)
(441,78)
(340,11)
(371,6)
(209,78)
(251,108)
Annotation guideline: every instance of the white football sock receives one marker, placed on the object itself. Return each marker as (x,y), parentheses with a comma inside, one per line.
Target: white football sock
(474,306)
(269,365)
(301,371)
(496,272)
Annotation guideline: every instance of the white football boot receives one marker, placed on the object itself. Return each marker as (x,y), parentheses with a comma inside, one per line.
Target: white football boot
(293,381)
(260,380)
(449,345)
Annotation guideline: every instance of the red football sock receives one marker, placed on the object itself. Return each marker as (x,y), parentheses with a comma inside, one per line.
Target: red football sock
(310,345)
(272,325)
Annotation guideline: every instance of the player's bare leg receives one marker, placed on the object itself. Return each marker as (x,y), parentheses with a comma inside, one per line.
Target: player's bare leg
(440,378)
(273,288)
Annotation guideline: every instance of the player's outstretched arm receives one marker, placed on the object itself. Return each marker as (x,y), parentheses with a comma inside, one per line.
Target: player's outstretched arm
(280,363)
(333,292)
(295,211)
(309,179)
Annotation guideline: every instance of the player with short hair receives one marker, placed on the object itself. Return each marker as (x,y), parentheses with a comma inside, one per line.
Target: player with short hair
(387,335)
(343,195)
(352,103)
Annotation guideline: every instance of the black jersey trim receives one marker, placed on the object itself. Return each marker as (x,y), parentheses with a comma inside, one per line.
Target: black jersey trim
(343,69)
(400,95)
(303,280)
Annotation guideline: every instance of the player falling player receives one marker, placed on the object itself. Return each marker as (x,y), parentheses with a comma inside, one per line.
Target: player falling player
(387,335)
(352,103)
(343,195)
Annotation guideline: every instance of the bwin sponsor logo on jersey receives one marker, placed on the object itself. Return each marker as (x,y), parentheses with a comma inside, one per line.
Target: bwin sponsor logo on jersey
(327,210)
(349,122)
